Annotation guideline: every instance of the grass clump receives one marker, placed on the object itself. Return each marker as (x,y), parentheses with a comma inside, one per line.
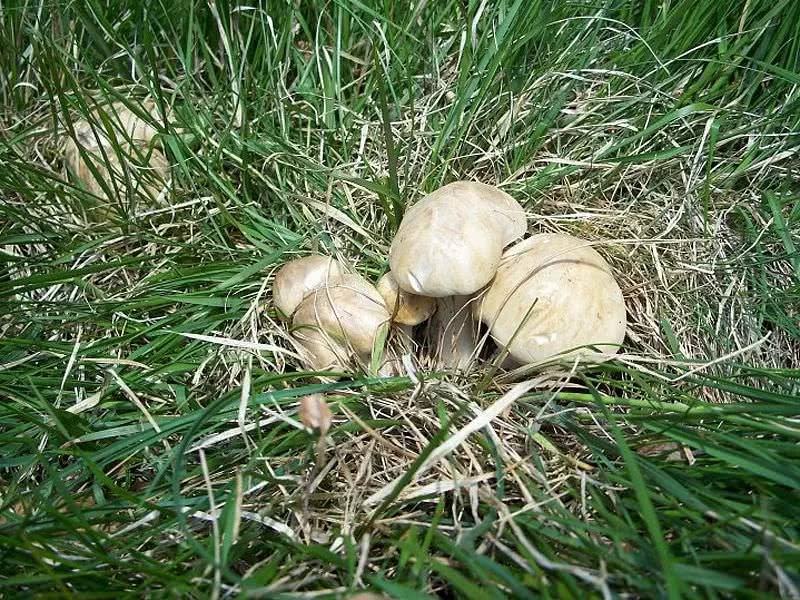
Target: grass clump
(149,415)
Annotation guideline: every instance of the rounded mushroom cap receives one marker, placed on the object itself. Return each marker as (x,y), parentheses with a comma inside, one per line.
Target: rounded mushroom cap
(298,278)
(506,212)
(146,169)
(102,147)
(116,122)
(566,290)
(450,242)
(349,310)
(412,309)
(320,352)
(128,125)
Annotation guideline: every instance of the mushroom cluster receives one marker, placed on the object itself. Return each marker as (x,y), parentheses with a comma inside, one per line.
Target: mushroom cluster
(336,316)
(458,259)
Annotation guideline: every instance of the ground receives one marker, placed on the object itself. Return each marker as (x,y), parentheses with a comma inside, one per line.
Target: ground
(149,391)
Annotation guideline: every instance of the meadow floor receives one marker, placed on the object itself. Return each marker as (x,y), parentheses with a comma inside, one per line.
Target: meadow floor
(150,442)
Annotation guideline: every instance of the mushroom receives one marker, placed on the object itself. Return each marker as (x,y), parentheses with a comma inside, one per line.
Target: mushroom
(406,308)
(342,318)
(552,294)
(449,246)
(319,352)
(450,242)
(115,150)
(130,126)
(298,278)
(336,316)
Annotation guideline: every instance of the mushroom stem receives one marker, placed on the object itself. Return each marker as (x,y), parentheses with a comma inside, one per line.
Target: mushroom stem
(453,332)
(405,333)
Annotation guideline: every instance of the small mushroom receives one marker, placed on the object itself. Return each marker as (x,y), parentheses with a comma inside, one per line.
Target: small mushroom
(339,320)
(141,176)
(115,151)
(298,278)
(449,246)
(551,295)
(406,308)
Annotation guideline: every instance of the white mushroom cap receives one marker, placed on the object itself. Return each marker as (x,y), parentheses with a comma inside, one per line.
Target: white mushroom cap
(348,312)
(450,242)
(566,290)
(299,277)
(128,125)
(412,309)
(148,175)
(97,142)
(319,351)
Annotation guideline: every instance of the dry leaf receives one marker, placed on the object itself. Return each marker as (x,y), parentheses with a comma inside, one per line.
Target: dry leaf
(672,450)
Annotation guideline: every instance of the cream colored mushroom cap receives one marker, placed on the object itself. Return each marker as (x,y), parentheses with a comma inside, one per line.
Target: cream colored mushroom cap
(570,292)
(450,242)
(117,122)
(348,309)
(117,164)
(319,351)
(503,209)
(298,278)
(412,309)
(147,170)
(132,126)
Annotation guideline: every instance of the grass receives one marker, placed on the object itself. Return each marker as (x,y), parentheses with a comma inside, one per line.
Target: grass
(149,393)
